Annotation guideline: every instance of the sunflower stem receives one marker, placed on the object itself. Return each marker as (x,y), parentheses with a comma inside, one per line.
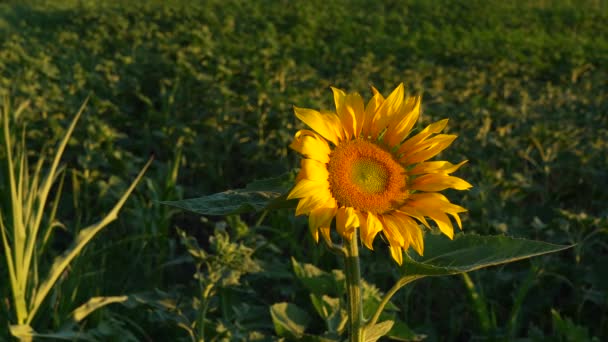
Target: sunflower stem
(336,249)
(353,285)
(387,297)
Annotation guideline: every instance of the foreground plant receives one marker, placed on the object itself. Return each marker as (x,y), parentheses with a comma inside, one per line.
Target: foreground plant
(27,220)
(359,168)
(364,168)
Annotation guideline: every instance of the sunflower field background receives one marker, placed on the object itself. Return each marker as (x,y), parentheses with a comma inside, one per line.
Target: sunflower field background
(208,88)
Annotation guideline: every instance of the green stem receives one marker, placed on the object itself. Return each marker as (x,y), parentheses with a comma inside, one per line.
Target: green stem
(479,304)
(532,277)
(202,314)
(336,249)
(387,297)
(353,285)
(261,219)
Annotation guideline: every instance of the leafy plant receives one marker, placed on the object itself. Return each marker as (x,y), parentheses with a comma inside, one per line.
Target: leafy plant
(220,268)
(25,228)
(464,254)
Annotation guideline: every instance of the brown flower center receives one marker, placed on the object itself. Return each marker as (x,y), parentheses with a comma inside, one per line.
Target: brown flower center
(366,177)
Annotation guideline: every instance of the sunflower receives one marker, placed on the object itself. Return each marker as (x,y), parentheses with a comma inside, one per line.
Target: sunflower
(361,168)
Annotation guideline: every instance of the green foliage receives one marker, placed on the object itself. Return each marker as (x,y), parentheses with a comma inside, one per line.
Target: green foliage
(24,235)
(289,320)
(568,331)
(327,292)
(470,252)
(220,268)
(256,196)
(208,88)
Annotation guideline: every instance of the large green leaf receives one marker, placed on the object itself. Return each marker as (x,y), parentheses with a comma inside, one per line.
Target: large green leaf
(289,320)
(465,253)
(470,252)
(402,332)
(331,311)
(374,332)
(318,281)
(257,196)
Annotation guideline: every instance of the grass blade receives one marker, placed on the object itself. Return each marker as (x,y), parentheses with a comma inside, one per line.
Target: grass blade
(18,229)
(95,303)
(83,238)
(44,191)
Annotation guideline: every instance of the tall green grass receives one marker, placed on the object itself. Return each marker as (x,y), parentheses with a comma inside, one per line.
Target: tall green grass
(26,227)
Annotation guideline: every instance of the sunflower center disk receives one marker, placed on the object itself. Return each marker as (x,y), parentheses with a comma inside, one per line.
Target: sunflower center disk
(366,177)
(369,175)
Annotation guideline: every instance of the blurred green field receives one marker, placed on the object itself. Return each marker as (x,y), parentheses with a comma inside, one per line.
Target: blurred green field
(208,89)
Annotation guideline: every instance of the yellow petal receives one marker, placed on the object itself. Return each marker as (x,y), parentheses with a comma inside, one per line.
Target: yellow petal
(434,206)
(320,218)
(427,142)
(443,222)
(439,202)
(457,218)
(339,96)
(417,239)
(326,124)
(307,188)
(393,232)
(443,167)
(346,221)
(433,128)
(376,92)
(317,200)
(428,149)
(354,106)
(311,145)
(370,111)
(326,234)
(387,110)
(436,199)
(400,127)
(438,182)
(441,219)
(370,227)
(413,231)
(362,226)
(415,213)
(396,253)
(345,112)
(313,170)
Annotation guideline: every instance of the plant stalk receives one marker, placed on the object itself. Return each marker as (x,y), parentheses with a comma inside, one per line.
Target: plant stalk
(353,286)
(387,297)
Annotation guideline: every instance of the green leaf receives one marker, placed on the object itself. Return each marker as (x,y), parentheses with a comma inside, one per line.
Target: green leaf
(289,320)
(318,281)
(22,331)
(257,196)
(26,333)
(402,332)
(373,333)
(95,303)
(325,305)
(471,252)
(371,297)
(280,183)
(61,262)
(568,330)
(331,312)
